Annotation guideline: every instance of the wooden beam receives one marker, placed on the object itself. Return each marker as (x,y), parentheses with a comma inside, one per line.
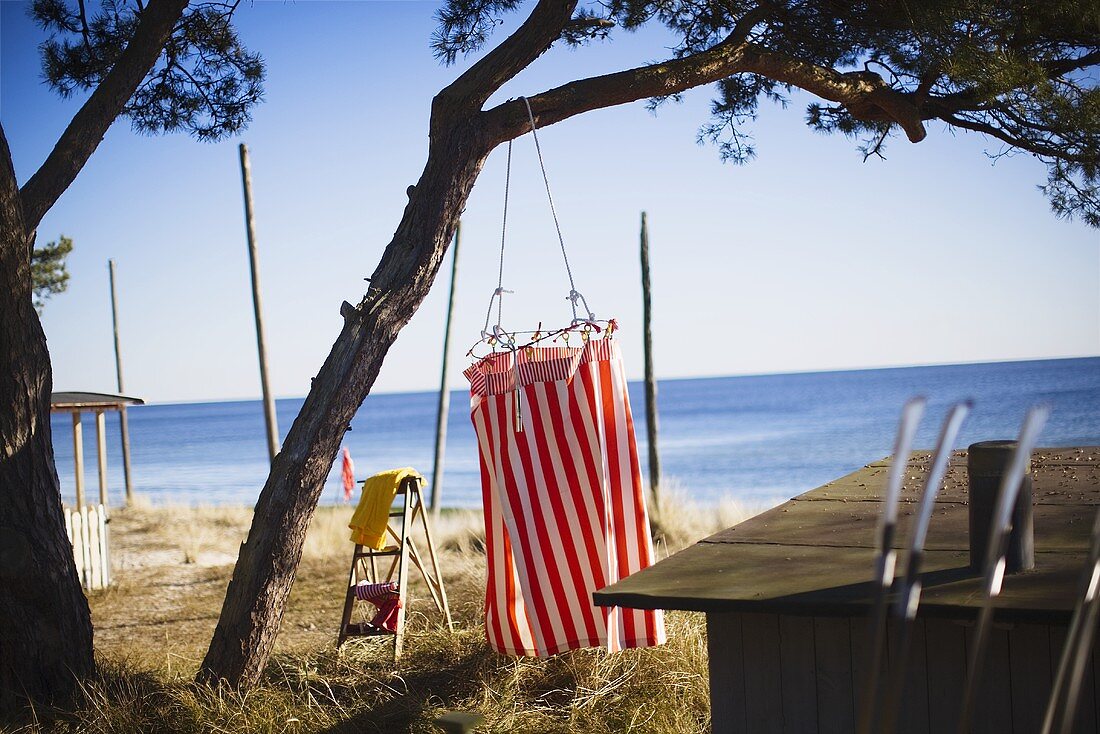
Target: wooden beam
(78,458)
(101,454)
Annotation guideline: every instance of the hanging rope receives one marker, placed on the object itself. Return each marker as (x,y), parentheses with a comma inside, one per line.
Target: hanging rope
(498,294)
(574,294)
(576,299)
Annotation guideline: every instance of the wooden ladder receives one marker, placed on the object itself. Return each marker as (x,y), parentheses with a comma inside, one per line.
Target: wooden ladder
(365,564)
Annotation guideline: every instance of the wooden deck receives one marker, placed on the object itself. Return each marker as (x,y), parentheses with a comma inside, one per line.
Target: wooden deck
(813,555)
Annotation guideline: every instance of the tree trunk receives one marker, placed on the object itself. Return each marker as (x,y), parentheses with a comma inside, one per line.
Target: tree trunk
(45,626)
(265,569)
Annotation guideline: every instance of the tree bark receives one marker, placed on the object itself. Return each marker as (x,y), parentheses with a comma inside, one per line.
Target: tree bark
(45,626)
(45,623)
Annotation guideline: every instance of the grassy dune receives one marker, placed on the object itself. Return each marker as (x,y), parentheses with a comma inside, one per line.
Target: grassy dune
(171,568)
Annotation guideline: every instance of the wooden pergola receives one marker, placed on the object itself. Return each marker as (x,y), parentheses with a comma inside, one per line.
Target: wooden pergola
(78,403)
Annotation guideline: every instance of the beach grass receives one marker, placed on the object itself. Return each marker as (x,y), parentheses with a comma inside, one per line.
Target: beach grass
(172,565)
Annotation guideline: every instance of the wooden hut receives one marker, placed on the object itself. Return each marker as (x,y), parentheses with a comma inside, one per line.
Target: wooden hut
(86,523)
(786,596)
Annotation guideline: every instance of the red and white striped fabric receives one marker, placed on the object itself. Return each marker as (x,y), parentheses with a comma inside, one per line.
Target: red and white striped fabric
(565,514)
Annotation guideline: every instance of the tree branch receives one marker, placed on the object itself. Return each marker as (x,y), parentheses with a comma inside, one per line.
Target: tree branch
(9,188)
(865,95)
(515,53)
(1031,146)
(106,103)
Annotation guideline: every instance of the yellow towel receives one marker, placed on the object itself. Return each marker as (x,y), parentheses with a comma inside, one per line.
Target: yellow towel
(368,523)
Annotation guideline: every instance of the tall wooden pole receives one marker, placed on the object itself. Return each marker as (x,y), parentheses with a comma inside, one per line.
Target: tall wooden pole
(257,306)
(123,419)
(444,395)
(650,383)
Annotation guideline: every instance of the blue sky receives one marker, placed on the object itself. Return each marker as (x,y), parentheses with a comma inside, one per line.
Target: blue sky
(805,259)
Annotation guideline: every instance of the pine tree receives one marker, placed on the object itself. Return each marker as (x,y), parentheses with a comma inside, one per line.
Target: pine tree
(166,66)
(49,274)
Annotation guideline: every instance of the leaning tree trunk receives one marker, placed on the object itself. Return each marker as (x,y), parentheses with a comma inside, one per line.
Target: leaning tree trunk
(45,626)
(268,559)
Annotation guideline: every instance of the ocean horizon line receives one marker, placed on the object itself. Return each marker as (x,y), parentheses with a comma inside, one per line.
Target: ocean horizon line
(677,378)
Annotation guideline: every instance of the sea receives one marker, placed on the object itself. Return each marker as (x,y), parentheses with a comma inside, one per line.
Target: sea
(757,439)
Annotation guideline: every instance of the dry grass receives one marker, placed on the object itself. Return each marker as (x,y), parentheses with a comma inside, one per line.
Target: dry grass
(171,568)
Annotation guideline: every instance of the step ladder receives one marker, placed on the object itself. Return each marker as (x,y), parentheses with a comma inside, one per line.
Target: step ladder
(366,563)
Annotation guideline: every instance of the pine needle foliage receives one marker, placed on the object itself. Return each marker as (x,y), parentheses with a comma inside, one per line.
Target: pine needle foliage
(205,82)
(49,274)
(1025,75)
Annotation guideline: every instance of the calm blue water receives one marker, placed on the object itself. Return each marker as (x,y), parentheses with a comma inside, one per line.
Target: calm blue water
(760,438)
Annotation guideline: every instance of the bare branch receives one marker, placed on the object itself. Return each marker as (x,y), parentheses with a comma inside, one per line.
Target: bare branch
(91,122)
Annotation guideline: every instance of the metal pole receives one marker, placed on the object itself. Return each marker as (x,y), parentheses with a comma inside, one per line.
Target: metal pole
(253,263)
(650,383)
(444,395)
(123,419)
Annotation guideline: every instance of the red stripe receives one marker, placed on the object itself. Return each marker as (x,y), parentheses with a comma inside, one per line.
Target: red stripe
(547,558)
(587,455)
(614,465)
(504,555)
(641,524)
(526,544)
(572,537)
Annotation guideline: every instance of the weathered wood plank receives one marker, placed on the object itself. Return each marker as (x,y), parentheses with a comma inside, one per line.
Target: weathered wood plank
(1030,664)
(945,647)
(1086,719)
(860,635)
(726,665)
(840,524)
(833,655)
(796,660)
(763,681)
(815,581)
(993,705)
(913,717)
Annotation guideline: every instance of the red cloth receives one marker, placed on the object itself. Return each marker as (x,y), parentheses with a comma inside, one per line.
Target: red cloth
(348,473)
(565,514)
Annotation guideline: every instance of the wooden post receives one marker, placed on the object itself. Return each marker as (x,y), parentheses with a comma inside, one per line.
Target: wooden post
(257,306)
(444,395)
(101,454)
(123,420)
(78,458)
(650,384)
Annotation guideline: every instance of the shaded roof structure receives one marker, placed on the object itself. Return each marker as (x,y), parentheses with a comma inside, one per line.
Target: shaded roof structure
(69,401)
